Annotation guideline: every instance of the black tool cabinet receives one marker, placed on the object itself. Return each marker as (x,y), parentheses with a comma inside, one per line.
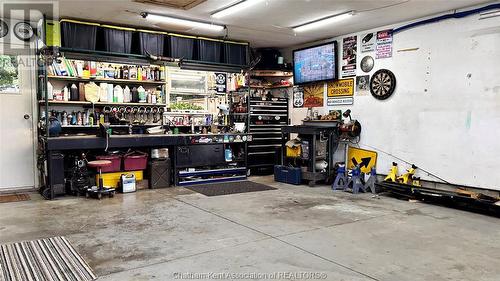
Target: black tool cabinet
(312,134)
(266,118)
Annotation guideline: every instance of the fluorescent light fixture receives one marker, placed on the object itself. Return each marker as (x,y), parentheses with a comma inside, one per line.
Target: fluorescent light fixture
(183,22)
(490,14)
(236,7)
(322,22)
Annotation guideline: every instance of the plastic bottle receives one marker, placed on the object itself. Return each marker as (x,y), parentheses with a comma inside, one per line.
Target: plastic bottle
(127,96)
(103,92)
(142,94)
(74,96)
(132,73)
(135,95)
(65,93)
(50,91)
(139,73)
(125,72)
(110,92)
(118,94)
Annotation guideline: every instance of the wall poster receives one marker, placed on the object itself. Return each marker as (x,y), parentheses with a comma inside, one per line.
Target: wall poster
(384,44)
(314,95)
(220,82)
(363,85)
(298,97)
(349,52)
(368,43)
(340,88)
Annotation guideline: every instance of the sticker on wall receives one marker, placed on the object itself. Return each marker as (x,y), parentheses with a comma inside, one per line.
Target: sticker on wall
(4,29)
(314,95)
(298,97)
(384,44)
(366,159)
(220,82)
(340,88)
(340,101)
(367,64)
(349,53)
(368,43)
(363,85)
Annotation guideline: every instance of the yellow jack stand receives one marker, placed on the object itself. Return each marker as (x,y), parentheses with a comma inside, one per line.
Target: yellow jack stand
(406,178)
(393,174)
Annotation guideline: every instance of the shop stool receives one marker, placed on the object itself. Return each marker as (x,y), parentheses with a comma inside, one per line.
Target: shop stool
(99,190)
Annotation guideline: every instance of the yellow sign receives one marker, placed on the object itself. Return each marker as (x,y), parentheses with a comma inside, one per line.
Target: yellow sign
(366,159)
(341,88)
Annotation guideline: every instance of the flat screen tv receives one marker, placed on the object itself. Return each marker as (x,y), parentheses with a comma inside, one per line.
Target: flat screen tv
(315,64)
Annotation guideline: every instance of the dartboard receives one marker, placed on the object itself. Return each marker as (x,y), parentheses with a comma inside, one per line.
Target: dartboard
(4,29)
(382,84)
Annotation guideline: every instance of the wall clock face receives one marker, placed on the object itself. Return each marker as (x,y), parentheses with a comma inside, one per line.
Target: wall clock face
(382,84)
(367,63)
(4,29)
(23,31)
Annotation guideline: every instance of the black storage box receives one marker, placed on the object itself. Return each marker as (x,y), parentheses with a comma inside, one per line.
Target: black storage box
(181,46)
(159,173)
(78,34)
(150,42)
(115,39)
(235,53)
(56,175)
(209,50)
(200,155)
(290,175)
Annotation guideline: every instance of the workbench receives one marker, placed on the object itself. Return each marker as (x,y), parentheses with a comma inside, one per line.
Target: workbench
(64,144)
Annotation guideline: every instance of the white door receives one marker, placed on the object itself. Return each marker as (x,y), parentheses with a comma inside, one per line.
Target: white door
(17,92)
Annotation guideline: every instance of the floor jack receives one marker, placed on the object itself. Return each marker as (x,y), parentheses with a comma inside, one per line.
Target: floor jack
(407,177)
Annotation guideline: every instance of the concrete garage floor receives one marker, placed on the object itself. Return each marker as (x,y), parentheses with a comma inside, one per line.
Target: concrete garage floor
(154,234)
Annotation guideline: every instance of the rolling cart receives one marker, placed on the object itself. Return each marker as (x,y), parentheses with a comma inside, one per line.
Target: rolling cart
(320,142)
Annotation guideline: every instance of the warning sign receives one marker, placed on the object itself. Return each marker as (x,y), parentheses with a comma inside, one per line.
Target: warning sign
(341,88)
(366,159)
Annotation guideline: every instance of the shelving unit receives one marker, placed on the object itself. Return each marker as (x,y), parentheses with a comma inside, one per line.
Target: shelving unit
(98,104)
(105,80)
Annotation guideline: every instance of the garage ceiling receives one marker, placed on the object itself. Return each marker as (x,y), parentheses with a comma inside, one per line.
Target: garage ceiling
(267,24)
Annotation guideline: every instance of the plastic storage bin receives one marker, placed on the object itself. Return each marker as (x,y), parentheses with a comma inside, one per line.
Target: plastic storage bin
(181,46)
(235,53)
(134,161)
(290,175)
(78,34)
(116,162)
(209,50)
(151,42)
(115,39)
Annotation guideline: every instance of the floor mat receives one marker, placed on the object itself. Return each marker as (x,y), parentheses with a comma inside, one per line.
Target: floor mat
(45,259)
(226,188)
(14,198)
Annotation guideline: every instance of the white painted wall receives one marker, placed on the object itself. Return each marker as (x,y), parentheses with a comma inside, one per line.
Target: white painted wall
(446,121)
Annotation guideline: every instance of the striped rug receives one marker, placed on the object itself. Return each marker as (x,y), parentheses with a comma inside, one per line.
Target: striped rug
(43,260)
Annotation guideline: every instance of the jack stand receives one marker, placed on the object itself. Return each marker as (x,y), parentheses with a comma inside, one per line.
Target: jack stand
(393,174)
(355,180)
(408,177)
(372,179)
(340,181)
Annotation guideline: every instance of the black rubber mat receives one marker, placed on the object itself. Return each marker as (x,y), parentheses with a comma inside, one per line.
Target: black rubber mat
(216,189)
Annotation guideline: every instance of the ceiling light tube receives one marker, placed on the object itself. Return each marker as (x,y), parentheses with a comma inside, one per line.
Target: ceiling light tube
(183,22)
(231,9)
(322,22)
